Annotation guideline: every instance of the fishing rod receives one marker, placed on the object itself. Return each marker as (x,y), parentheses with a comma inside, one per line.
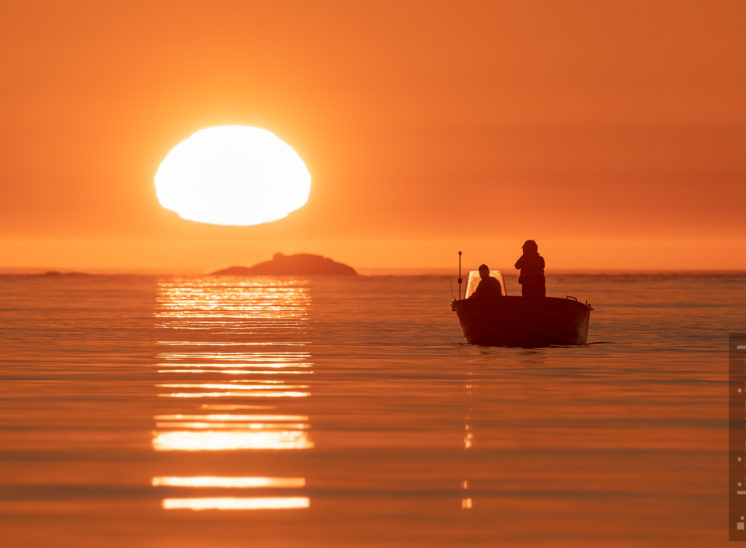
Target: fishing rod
(459,276)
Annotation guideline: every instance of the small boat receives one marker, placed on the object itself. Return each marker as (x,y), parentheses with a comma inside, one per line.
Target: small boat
(521,321)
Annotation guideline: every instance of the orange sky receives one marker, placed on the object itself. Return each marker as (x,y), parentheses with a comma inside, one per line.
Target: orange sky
(613,133)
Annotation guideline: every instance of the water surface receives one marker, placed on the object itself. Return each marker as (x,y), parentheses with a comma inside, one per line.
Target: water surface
(145,411)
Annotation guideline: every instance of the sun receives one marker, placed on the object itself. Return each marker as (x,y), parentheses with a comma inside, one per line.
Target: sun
(232,175)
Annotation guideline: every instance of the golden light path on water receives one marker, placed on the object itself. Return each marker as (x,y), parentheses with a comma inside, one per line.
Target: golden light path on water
(238,341)
(236,503)
(218,481)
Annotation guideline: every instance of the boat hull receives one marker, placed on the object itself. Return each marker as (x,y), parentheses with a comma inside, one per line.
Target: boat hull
(520,321)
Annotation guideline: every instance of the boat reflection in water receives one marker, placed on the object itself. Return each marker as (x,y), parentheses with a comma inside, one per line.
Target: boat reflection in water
(233,364)
(466,500)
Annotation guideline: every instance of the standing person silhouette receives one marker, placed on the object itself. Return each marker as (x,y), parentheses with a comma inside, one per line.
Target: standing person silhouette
(531,265)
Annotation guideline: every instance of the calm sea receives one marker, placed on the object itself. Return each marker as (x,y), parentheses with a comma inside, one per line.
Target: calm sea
(200,412)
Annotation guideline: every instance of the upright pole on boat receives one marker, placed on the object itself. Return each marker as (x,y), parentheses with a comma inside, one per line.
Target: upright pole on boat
(459,276)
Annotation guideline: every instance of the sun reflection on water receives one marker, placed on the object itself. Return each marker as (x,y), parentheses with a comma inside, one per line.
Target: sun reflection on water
(237,503)
(230,440)
(228,482)
(238,341)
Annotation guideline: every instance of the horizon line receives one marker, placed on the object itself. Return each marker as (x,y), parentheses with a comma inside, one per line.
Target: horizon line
(367,271)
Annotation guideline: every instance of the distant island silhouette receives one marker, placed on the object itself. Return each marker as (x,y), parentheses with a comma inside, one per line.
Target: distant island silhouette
(58,273)
(300,264)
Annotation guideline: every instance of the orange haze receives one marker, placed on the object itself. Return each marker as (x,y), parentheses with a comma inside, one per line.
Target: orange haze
(613,133)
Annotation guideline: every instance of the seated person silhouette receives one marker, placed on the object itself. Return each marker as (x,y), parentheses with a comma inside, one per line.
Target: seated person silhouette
(489,287)
(531,265)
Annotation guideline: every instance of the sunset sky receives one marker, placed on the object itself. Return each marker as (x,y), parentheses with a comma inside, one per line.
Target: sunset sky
(613,133)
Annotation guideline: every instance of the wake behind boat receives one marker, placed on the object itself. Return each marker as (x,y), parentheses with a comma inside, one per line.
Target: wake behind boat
(520,321)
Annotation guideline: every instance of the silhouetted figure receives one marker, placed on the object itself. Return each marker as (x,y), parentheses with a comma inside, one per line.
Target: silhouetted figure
(531,265)
(489,287)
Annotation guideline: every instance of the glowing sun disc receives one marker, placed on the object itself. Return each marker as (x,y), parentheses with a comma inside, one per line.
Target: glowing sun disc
(232,175)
